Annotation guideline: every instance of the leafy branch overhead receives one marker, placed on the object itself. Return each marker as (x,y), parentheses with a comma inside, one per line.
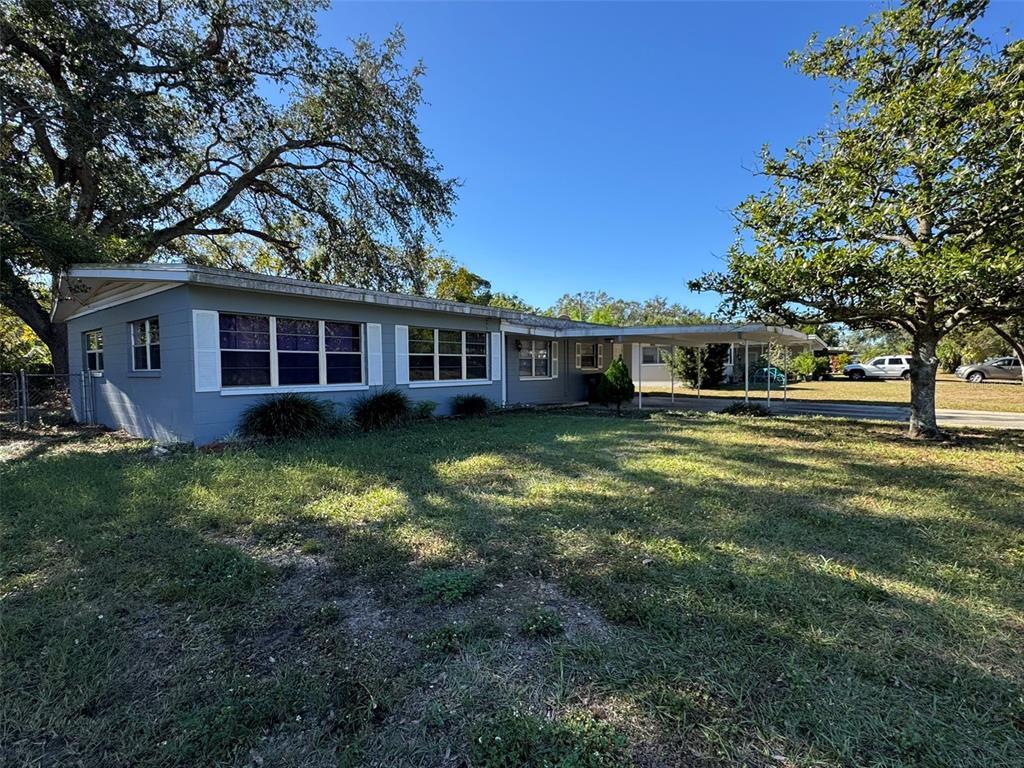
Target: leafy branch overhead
(141,129)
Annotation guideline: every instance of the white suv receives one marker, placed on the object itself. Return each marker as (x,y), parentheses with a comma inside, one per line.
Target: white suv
(894,367)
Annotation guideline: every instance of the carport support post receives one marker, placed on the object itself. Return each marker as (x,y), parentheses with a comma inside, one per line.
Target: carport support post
(640,377)
(768,371)
(785,376)
(746,371)
(700,369)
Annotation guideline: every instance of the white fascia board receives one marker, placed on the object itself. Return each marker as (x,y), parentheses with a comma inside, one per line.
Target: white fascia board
(121,298)
(530,330)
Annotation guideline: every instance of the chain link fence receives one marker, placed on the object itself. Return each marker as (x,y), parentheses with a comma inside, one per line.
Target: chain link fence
(45,399)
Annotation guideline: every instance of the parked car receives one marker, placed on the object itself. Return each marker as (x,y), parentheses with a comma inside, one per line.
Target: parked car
(888,367)
(995,368)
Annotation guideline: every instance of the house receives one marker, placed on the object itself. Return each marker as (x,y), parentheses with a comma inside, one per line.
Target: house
(176,352)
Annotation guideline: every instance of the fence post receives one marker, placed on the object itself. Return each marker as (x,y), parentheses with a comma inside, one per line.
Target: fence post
(23,405)
(84,415)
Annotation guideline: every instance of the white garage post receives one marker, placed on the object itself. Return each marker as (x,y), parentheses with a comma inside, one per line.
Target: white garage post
(640,377)
(700,368)
(768,371)
(746,371)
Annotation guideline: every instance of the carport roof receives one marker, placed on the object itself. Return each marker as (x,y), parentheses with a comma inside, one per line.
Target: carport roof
(88,287)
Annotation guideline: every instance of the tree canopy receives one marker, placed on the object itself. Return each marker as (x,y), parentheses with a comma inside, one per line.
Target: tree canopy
(599,307)
(140,129)
(905,211)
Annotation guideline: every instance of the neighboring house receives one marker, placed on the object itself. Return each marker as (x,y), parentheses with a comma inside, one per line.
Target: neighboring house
(177,352)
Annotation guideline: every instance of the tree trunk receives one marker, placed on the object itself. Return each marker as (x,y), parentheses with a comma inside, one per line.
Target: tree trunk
(56,341)
(924,364)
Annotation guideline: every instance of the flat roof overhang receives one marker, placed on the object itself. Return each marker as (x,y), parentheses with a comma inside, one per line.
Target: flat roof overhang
(90,287)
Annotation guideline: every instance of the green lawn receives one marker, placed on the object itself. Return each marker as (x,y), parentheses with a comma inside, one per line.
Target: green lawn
(546,589)
(950,392)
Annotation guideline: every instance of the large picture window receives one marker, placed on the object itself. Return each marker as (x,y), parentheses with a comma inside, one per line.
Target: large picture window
(437,354)
(260,351)
(535,359)
(146,344)
(94,351)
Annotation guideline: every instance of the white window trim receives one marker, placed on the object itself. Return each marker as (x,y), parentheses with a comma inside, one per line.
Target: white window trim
(437,381)
(322,386)
(148,345)
(450,383)
(229,391)
(648,346)
(552,359)
(97,372)
(598,355)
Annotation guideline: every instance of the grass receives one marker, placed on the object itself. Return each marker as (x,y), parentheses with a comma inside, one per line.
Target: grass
(951,393)
(784,592)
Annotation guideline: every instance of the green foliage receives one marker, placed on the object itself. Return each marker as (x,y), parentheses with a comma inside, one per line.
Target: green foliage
(423,409)
(208,130)
(579,741)
(905,211)
(20,348)
(842,360)
(287,416)
(470,405)
(601,308)
(512,301)
(541,622)
(454,282)
(615,386)
(453,638)
(803,365)
(970,345)
(383,410)
(706,364)
(449,586)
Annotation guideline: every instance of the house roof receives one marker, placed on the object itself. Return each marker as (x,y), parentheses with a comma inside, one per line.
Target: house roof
(89,287)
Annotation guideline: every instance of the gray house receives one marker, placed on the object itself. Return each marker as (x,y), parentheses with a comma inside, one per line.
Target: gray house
(177,353)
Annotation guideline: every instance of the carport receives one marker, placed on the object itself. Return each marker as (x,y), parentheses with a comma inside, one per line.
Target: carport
(742,335)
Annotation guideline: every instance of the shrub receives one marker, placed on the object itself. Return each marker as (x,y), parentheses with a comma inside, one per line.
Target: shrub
(449,586)
(470,405)
(578,741)
(746,409)
(616,385)
(542,622)
(423,409)
(387,408)
(287,416)
(803,365)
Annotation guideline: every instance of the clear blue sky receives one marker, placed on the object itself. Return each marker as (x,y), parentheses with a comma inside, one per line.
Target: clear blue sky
(602,145)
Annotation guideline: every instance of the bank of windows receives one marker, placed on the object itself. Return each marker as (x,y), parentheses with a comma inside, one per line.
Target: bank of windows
(94,351)
(146,344)
(538,359)
(437,354)
(261,351)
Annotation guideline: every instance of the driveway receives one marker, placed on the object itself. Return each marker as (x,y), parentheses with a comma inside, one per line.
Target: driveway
(947,418)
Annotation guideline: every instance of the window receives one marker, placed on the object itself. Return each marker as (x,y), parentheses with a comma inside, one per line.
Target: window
(897,361)
(94,351)
(588,356)
(655,355)
(343,350)
(244,350)
(537,359)
(437,354)
(877,361)
(258,351)
(298,351)
(146,344)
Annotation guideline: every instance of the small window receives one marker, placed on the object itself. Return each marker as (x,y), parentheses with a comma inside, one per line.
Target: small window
(535,359)
(878,361)
(587,356)
(655,355)
(146,344)
(94,351)
(896,361)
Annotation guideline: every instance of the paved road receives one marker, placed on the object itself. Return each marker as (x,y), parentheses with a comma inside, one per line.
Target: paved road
(945,417)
